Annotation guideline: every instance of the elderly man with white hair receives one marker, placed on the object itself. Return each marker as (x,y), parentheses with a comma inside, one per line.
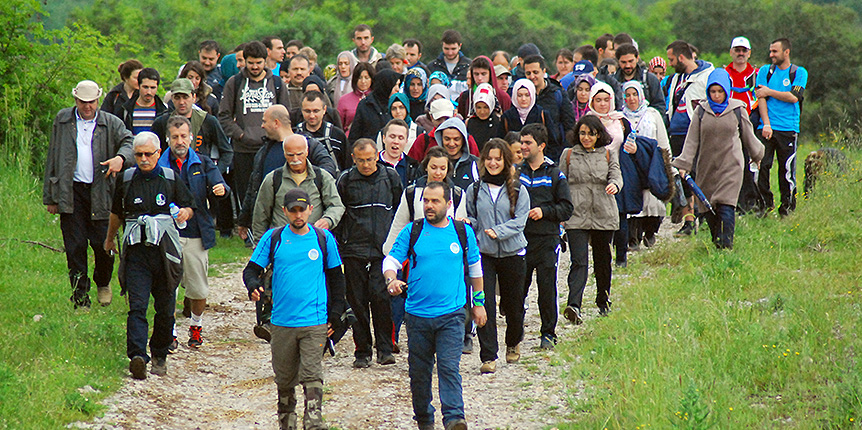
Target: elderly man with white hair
(153,202)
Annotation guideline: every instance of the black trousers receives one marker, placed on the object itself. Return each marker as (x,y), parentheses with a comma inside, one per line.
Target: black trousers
(145,276)
(579,242)
(782,146)
(243,164)
(79,229)
(510,273)
(621,239)
(542,255)
(722,225)
(367,295)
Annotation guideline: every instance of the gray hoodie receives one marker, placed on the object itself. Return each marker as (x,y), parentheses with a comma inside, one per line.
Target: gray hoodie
(466,170)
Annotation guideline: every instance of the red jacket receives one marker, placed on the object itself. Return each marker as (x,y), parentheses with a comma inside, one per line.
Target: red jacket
(426,141)
(744,79)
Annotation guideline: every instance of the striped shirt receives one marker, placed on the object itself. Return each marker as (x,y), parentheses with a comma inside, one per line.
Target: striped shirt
(143,117)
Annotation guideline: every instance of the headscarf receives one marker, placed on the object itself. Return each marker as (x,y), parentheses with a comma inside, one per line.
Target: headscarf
(525,83)
(634,116)
(401,97)
(442,77)
(657,62)
(581,109)
(381,87)
(484,93)
(415,73)
(433,90)
(341,84)
(612,114)
(313,79)
(721,78)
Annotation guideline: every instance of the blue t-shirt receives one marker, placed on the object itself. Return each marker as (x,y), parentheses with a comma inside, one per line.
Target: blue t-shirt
(783,116)
(298,281)
(436,285)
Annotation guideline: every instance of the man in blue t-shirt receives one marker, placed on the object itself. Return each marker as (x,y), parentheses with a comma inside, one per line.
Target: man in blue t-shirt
(307,301)
(779,122)
(436,298)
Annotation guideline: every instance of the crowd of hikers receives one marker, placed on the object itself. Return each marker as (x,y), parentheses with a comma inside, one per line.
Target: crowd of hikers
(381,190)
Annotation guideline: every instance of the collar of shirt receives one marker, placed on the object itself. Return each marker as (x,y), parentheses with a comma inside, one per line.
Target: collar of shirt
(86,121)
(383,159)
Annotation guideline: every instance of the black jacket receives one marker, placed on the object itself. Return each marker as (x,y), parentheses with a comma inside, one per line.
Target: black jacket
(459,73)
(115,99)
(370,118)
(370,203)
(126,111)
(548,190)
(652,87)
(484,130)
(558,107)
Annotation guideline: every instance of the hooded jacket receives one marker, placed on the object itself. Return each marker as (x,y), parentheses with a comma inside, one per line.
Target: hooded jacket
(243,123)
(484,212)
(693,87)
(370,203)
(465,100)
(466,169)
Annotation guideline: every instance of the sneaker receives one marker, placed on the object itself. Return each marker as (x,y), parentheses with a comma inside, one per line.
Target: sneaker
(172,348)
(385,359)
(396,349)
(687,229)
(138,367)
(573,314)
(195,340)
(488,367)
(547,342)
(105,295)
(468,345)
(513,354)
(361,363)
(263,331)
(159,366)
(187,307)
(458,424)
(649,241)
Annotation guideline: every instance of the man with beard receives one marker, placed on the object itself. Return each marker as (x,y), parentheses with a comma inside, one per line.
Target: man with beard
(631,68)
(314,125)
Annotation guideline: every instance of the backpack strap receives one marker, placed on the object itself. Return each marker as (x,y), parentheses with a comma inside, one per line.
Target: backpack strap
(409,196)
(415,231)
(461,231)
(274,240)
(276,184)
(321,242)
(457,192)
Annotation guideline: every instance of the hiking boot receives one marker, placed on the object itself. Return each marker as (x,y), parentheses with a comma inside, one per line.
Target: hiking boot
(138,367)
(458,424)
(361,363)
(80,290)
(187,307)
(513,354)
(287,422)
(468,345)
(425,426)
(80,299)
(385,359)
(105,295)
(621,264)
(287,409)
(605,311)
(172,348)
(649,241)
(313,418)
(688,229)
(573,314)
(488,367)
(159,366)
(547,342)
(396,349)
(195,340)
(263,331)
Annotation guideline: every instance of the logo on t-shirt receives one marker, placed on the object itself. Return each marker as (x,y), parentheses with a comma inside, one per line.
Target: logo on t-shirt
(786,82)
(313,255)
(160,199)
(454,248)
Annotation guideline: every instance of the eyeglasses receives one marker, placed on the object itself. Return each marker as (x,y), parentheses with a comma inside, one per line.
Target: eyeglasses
(588,133)
(145,154)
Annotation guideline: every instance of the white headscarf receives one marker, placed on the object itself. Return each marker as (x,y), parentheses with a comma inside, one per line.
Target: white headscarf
(642,124)
(524,83)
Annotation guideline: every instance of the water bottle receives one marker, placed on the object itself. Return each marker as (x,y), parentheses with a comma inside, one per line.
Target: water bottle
(175,211)
(630,139)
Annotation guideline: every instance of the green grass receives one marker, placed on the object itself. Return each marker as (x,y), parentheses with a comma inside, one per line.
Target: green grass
(43,363)
(764,336)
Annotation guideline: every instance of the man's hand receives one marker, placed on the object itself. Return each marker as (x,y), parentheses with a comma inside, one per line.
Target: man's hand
(490,232)
(185,214)
(329,330)
(395,287)
(479,316)
(114,165)
(767,132)
(535,214)
(255,294)
(110,246)
(53,209)
(243,232)
(762,91)
(218,190)
(322,223)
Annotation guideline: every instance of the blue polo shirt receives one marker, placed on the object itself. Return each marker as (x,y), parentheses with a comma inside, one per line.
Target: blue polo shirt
(298,282)
(783,116)
(436,285)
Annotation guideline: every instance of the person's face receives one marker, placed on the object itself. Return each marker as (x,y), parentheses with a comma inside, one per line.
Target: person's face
(609,51)
(434,204)
(777,54)
(365,159)
(717,94)
(290,51)
(659,72)
(297,216)
(194,77)
(415,87)
(148,90)
(587,137)
(255,66)
(240,60)
(398,110)
(633,102)
(269,126)
(132,81)
(481,76)
(517,155)
(450,51)
(413,54)
(530,150)
(494,162)
(180,141)
(363,40)
(395,140)
(740,55)
(295,153)
(344,67)
(601,103)
(483,111)
(209,59)
(87,110)
(397,65)
(183,103)
(277,52)
(453,141)
(437,169)
(675,61)
(146,156)
(583,92)
(564,65)
(628,64)
(298,71)
(535,74)
(503,82)
(523,97)
(364,81)
(312,112)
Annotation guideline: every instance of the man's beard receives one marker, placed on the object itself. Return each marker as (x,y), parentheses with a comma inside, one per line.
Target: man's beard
(435,217)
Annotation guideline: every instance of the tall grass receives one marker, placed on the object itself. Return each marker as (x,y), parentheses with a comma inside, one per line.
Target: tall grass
(764,336)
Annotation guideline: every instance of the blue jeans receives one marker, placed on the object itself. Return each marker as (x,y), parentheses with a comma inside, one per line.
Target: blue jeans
(442,336)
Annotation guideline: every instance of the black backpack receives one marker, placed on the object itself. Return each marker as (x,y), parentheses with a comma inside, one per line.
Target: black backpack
(793,69)
(410,195)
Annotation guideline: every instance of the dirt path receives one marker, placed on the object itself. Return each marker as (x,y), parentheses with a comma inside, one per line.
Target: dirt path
(228,383)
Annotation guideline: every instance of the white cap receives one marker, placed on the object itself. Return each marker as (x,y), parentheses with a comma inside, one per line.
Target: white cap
(441,108)
(740,41)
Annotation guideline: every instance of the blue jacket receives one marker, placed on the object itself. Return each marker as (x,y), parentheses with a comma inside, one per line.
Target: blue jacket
(200,174)
(645,169)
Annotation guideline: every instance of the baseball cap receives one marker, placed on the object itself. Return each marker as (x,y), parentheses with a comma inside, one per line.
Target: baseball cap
(581,67)
(441,108)
(501,70)
(740,41)
(296,197)
(182,86)
(87,91)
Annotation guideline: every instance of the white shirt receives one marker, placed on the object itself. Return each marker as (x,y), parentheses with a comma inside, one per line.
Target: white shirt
(84,168)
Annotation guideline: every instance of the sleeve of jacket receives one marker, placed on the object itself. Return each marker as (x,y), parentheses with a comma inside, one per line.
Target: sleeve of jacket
(334,207)
(397,188)
(567,114)
(561,209)
(615,175)
(401,219)
(472,212)
(656,96)
(358,128)
(515,225)
(227,110)
(262,215)
(218,136)
(123,139)
(51,171)
(214,178)
(254,180)
(336,302)
(749,139)
(319,156)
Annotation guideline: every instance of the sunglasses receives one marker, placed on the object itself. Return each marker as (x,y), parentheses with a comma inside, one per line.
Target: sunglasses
(145,154)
